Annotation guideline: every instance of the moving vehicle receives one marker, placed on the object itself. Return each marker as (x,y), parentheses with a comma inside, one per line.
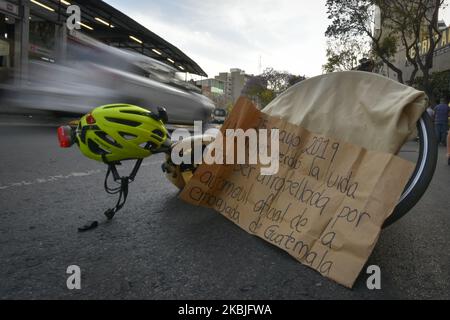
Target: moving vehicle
(95,74)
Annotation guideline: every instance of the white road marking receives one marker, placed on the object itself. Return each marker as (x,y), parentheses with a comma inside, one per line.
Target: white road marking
(57,178)
(22,124)
(50,179)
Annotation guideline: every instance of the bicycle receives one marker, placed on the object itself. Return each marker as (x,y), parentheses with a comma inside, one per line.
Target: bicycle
(180,174)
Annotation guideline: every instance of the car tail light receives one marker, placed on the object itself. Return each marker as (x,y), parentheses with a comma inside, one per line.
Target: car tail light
(65,136)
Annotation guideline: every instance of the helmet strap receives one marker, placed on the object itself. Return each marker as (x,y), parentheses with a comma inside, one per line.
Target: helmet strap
(122,190)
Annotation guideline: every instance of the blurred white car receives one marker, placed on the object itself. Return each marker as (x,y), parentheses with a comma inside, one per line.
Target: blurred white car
(97,74)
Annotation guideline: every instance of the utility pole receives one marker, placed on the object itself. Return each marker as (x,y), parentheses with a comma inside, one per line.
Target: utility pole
(260,65)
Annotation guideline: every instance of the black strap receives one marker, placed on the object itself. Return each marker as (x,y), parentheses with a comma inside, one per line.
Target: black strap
(124,182)
(123,194)
(122,190)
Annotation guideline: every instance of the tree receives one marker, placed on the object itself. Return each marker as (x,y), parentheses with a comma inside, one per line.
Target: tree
(257,91)
(345,54)
(278,81)
(403,25)
(266,87)
(293,80)
(440,82)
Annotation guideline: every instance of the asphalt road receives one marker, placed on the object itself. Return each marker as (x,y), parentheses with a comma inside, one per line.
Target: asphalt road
(161,248)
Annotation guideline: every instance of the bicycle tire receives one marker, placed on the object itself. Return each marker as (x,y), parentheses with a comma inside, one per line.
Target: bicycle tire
(423,173)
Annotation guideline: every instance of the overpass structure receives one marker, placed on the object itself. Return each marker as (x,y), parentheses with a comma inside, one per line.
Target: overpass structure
(37,29)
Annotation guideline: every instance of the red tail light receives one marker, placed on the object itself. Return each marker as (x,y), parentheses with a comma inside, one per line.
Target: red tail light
(65,136)
(90,119)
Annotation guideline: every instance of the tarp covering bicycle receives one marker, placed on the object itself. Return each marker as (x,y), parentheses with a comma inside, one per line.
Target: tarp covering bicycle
(366,113)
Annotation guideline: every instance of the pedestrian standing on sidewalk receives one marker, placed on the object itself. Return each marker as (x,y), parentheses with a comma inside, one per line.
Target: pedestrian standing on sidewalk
(441,115)
(448,148)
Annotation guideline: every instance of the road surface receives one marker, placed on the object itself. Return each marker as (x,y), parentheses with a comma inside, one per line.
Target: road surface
(161,248)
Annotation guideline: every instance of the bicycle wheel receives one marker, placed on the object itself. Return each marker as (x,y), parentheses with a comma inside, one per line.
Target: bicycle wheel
(423,173)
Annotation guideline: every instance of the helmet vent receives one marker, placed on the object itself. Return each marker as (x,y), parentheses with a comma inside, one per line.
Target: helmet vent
(117,106)
(124,122)
(102,135)
(127,136)
(145,147)
(138,113)
(158,138)
(158,133)
(96,149)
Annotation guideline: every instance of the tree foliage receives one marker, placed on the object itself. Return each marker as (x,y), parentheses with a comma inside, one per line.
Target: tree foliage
(440,83)
(391,26)
(344,55)
(277,81)
(293,80)
(266,87)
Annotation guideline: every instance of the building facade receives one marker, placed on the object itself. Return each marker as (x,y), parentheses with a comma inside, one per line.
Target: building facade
(235,82)
(226,88)
(441,59)
(14,37)
(214,89)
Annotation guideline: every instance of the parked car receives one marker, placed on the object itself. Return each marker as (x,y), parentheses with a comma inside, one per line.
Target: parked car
(219,115)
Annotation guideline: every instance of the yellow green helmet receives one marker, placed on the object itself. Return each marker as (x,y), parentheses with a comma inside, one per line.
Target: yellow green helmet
(118,132)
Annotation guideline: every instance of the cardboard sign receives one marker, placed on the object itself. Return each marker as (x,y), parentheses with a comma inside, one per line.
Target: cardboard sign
(325,206)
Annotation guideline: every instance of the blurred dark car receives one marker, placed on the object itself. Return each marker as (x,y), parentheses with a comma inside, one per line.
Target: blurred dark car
(219,116)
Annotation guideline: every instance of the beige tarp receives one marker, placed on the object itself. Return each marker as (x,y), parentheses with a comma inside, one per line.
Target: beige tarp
(361,108)
(338,179)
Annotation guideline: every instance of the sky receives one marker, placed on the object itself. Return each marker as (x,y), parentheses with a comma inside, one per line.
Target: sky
(445,13)
(286,35)
(219,35)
